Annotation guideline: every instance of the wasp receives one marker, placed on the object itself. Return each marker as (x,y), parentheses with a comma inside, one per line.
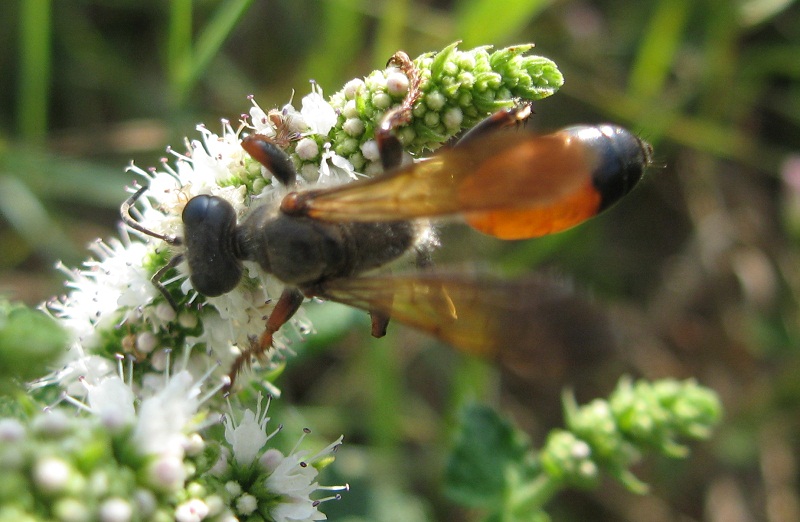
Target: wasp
(333,243)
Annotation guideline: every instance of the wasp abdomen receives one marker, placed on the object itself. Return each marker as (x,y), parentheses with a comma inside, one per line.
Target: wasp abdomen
(619,159)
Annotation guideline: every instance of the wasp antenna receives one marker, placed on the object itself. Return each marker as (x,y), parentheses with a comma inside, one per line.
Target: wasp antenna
(128,219)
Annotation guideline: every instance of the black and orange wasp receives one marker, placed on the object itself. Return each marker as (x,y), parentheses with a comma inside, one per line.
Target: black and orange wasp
(326,243)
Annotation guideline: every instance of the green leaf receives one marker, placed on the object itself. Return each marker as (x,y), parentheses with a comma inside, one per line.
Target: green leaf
(439,61)
(30,341)
(487,449)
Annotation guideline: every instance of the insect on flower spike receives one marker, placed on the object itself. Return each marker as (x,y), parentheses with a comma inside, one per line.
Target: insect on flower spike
(510,183)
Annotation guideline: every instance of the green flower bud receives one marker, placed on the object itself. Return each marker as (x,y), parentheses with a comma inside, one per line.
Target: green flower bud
(595,423)
(695,410)
(657,414)
(478,81)
(568,459)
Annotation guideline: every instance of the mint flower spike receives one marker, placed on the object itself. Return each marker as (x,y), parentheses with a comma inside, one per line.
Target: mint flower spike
(457,89)
(636,417)
(112,307)
(145,375)
(656,414)
(594,426)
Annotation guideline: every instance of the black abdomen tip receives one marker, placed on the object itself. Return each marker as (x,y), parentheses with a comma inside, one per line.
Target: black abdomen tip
(620,159)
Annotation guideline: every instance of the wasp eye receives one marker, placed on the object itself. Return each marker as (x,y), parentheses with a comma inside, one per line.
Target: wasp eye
(209,224)
(200,208)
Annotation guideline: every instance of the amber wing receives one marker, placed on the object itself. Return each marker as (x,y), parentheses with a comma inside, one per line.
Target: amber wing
(509,321)
(504,171)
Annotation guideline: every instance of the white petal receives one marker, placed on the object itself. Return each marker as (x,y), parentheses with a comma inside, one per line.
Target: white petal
(318,113)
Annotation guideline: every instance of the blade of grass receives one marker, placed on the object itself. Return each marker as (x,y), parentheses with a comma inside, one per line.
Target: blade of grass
(35,61)
(658,48)
(179,44)
(23,210)
(481,22)
(341,40)
(392,23)
(208,44)
(721,48)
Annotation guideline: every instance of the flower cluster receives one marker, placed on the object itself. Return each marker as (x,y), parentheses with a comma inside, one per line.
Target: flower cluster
(493,466)
(126,460)
(149,462)
(146,365)
(114,308)
(608,434)
(265,481)
(457,90)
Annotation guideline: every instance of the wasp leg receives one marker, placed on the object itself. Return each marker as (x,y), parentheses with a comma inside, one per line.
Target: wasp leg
(128,219)
(389,146)
(380,322)
(159,275)
(288,304)
(501,119)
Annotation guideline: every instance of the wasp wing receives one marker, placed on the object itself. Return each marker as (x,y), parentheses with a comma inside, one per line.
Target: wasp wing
(511,185)
(509,321)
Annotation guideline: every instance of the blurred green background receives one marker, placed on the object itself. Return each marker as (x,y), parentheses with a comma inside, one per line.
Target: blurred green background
(697,268)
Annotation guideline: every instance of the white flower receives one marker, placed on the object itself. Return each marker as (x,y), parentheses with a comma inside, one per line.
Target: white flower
(307,149)
(335,169)
(246,504)
(104,293)
(11,430)
(193,510)
(289,481)
(77,374)
(112,401)
(166,473)
(292,477)
(249,436)
(115,510)
(317,112)
(163,423)
(51,474)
